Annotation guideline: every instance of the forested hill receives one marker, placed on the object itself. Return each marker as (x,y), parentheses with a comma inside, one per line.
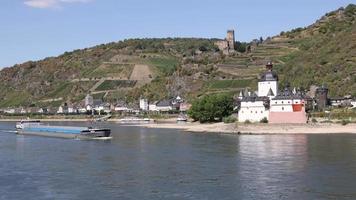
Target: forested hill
(322,53)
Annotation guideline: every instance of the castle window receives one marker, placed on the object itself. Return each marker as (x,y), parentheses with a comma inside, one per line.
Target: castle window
(276,102)
(282,101)
(256,112)
(282,108)
(288,101)
(251,111)
(261,111)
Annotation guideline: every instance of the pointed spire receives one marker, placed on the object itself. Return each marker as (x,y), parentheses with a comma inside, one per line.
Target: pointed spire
(270,93)
(246,93)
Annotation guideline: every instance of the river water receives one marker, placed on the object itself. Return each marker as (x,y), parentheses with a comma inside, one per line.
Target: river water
(141,163)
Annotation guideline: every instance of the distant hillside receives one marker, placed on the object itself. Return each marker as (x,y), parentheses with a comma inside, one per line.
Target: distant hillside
(323,53)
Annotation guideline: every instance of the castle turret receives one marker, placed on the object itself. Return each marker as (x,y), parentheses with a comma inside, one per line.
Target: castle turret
(268,82)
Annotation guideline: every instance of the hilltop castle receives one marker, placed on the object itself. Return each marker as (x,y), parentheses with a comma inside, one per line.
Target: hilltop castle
(228,45)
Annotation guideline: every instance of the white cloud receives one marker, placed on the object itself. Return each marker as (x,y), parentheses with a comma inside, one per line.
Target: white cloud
(51,3)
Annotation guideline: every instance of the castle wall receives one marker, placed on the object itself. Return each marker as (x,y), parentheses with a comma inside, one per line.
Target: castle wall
(288,117)
(252,111)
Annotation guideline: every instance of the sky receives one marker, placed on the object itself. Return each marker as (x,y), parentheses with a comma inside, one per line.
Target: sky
(35,29)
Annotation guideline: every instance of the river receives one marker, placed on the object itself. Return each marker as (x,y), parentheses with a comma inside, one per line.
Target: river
(141,163)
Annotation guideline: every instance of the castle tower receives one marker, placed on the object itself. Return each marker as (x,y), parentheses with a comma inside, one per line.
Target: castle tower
(321,96)
(268,82)
(230,38)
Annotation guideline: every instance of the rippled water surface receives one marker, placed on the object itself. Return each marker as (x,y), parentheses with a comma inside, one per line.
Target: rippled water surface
(142,163)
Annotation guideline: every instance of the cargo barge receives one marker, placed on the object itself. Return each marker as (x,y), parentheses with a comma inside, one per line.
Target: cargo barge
(70,132)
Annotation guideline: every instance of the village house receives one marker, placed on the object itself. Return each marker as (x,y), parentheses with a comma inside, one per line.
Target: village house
(144,104)
(152,107)
(60,110)
(121,107)
(164,106)
(72,109)
(10,111)
(340,101)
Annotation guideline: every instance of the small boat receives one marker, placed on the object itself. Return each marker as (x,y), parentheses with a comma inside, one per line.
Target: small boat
(182,118)
(70,132)
(134,120)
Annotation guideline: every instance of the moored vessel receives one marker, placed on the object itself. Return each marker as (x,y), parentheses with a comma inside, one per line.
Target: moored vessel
(135,120)
(182,118)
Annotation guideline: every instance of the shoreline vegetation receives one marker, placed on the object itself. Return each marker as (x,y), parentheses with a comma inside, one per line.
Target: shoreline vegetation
(231,128)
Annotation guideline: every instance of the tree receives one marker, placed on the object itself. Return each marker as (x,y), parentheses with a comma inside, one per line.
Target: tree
(240,46)
(211,108)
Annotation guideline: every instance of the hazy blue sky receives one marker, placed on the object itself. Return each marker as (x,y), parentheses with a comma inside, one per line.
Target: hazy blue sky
(35,29)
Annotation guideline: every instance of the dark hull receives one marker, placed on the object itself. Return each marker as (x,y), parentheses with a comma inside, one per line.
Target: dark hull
(96,133)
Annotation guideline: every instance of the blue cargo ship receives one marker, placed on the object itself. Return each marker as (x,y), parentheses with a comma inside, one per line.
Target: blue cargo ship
(64,131)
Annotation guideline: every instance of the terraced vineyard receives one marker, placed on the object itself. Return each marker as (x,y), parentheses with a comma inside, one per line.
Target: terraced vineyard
(116,84)
(247,67)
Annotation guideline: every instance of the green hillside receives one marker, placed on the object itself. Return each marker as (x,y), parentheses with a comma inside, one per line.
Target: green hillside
(327,53)
(322,53)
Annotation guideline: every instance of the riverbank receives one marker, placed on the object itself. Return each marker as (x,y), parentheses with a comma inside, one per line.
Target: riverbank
(233,128)
(258,129)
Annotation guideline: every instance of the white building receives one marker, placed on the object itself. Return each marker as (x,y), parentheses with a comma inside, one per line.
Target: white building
(23,111)
(60,110)
(144,104)
(82,110)
(89,107)
(153,107)
(72,110)
(253,109)
(10,111)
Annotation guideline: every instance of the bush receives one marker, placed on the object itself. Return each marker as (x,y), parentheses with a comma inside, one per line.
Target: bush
(211,108)
(264,120)
(314,120)
(229,120)
(247,122)
(345,122)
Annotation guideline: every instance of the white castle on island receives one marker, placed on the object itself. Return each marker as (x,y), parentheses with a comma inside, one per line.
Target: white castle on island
(268,103)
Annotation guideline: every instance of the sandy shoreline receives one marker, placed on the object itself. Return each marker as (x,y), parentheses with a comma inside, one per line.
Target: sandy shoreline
(258,129)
